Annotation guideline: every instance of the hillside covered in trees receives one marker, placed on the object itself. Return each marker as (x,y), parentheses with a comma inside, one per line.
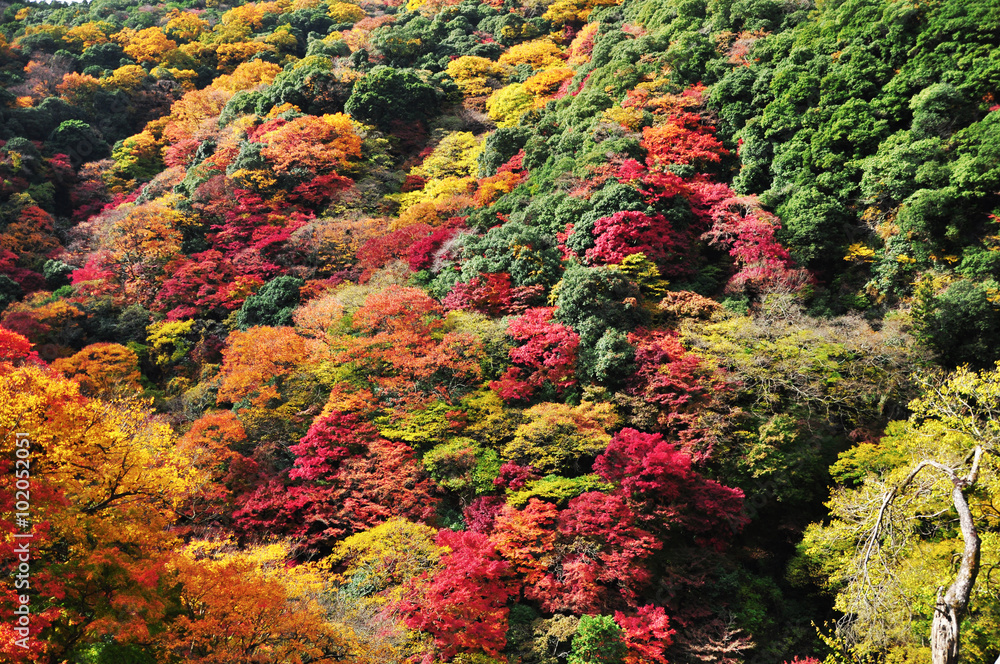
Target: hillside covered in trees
(520,332)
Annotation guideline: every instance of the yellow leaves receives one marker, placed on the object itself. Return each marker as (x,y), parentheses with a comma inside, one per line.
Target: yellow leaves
(454,156)
(111,457)
(251,14)
(539,54)
(629,118)
(84,36)
(254,179)
(505,106)
(556,436)
(859,253)
(561,12)
(248,75)
(387,556)
(170,341)
(283,41)
(232,54)
(443,192)
(968,402)
(547,82)
(477,76)
(126,78)
(345,12)
(185,26)
(148,45)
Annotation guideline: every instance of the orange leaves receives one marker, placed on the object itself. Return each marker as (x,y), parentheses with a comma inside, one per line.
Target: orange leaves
(495,186)
(402,352)
(189,112)
(398,310)
(320,144)
(102,369)
(256,361)
(211,438)
(684,139)
(78,89)
(251,607)
(582,45)
(142,241)
(526,538)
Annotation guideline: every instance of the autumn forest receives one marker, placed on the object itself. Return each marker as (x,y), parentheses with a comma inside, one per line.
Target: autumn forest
(502,332)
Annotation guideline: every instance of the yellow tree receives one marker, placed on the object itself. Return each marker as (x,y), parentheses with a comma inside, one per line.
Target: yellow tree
(476,75)
(540,53)
(143,46)
(184,26)
(914,523)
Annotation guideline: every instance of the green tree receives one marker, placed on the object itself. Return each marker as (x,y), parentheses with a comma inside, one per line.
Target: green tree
(272,305)
(598,640)
(79,141)
(386,94)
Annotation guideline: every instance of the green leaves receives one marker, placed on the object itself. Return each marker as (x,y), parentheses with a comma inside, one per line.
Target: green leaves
(386,94)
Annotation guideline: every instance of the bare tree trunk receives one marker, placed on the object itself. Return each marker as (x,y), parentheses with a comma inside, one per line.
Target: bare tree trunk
(950,605)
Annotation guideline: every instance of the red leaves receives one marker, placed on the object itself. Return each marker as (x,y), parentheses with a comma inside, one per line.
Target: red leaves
(320,190)
(254,233)
(15,349)
(198,284)
(547,355)
(380,251)
(181,153)
(673,380)
(626,233)
(658,477)
(584,559)
(424,252)
(749,231)
(329,441)
(346,479)
(493,295)
(464,605)
(646,634)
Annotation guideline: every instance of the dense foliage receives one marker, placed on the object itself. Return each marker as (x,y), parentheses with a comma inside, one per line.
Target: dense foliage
(539,331)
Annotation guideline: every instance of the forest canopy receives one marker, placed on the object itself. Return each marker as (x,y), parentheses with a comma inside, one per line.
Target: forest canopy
(504,332)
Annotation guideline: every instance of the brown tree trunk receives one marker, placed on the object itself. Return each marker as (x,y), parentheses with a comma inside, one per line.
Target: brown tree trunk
(951,604)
